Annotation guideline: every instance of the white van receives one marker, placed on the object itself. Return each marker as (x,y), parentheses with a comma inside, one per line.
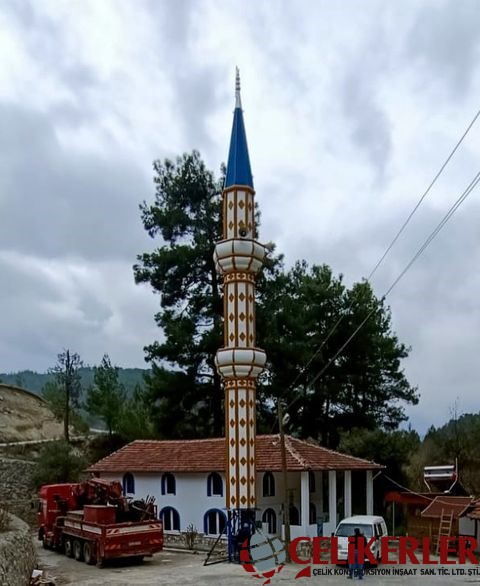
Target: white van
(369,525)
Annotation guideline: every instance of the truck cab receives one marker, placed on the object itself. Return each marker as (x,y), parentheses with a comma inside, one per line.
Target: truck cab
(54,500)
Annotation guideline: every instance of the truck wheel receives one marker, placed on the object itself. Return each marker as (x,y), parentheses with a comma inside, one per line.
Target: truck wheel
(77,550)
(68,548)
(88,553)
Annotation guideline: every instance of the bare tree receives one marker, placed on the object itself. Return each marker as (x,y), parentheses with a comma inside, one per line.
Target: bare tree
(67,378)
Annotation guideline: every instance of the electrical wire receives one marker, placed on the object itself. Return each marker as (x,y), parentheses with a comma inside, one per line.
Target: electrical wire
(453,208)
(390,246)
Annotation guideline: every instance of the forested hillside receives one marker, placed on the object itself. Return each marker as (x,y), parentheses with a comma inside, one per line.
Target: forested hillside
(34,381)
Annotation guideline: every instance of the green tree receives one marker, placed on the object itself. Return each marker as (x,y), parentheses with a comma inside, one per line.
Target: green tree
(455,442)
(135,421)
(364,387)
(59,462)
(393,449)
(68,382)
(106,397)
(55,397)
(186,215)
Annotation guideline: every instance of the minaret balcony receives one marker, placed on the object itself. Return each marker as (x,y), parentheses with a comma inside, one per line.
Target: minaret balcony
(239,255)
(240,362)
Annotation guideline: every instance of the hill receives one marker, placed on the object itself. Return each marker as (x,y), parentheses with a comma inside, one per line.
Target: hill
(24,416)
(34,381)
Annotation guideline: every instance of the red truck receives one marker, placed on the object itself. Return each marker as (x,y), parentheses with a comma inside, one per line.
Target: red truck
(93,522)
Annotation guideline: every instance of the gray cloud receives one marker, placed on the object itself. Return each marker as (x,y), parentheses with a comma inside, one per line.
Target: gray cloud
(62,202)
(370,128)
(341,126)
(444,41)
(193,80)
(434,307)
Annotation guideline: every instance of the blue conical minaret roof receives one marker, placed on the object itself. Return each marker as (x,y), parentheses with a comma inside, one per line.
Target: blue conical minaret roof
(238,167)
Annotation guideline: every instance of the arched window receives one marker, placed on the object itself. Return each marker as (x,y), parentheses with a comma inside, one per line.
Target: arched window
(270,517)
(268,484)
(214,522)
(311,481)
(168,483)
(128,483)
(170,519)
(313,514)
(214,485)
(294,515)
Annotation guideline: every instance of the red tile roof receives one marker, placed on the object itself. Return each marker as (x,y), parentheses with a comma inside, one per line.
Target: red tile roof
(457,504)
(209,455)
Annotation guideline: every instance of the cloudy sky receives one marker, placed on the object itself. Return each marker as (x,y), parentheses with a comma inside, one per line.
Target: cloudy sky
(350,107)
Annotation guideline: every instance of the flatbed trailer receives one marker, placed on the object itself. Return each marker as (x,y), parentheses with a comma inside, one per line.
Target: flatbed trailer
(95,533)
(94,542)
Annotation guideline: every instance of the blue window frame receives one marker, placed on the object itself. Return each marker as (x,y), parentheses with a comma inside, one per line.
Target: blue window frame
(214,522)
(128,483)
(270,518)
(268,484)
(214,484)
(170,519)
(168,484)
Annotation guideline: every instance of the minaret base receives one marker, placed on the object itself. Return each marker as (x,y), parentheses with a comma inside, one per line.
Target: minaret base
(240,527)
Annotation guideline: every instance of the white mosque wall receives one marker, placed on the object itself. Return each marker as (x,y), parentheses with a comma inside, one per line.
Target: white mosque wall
(191,498)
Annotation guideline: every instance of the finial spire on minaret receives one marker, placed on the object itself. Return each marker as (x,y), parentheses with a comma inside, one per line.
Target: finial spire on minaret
(238,101)
(238,166)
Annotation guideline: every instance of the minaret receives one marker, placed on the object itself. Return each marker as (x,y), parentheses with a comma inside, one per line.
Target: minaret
(238,258)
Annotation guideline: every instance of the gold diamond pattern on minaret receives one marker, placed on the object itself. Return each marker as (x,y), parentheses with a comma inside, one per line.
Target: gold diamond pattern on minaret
(239,361)
(238,258)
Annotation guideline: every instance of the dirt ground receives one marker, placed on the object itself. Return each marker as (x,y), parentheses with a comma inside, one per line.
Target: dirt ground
(184,569)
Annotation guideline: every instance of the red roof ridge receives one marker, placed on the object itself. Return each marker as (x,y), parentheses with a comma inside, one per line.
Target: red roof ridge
(311,442)
(208,454)
(294,453)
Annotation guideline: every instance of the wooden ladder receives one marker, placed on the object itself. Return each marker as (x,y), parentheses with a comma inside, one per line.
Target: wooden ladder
(445,527)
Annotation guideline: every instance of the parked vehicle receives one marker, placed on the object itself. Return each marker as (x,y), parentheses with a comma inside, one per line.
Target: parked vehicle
(369,525)
(93,522)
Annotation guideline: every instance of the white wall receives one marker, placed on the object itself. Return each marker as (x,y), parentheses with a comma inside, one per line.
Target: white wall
(191,500)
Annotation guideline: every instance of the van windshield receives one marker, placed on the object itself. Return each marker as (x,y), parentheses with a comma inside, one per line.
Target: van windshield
(348,529)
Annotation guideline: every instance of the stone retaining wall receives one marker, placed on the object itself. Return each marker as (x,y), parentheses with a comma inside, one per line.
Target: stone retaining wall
(16,487)
(17,554)
(201,543)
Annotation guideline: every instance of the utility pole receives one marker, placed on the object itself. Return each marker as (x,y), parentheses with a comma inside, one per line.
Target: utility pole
(286,506)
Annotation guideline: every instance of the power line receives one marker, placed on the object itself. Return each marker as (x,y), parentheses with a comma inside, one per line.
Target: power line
(453,208)
(442,223)
(424,195)
(471,186)
(390,246)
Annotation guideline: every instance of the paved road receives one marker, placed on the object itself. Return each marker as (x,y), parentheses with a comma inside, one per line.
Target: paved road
(184,569)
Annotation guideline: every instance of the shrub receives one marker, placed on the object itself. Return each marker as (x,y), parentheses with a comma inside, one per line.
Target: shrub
(190,536)
(59,462)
